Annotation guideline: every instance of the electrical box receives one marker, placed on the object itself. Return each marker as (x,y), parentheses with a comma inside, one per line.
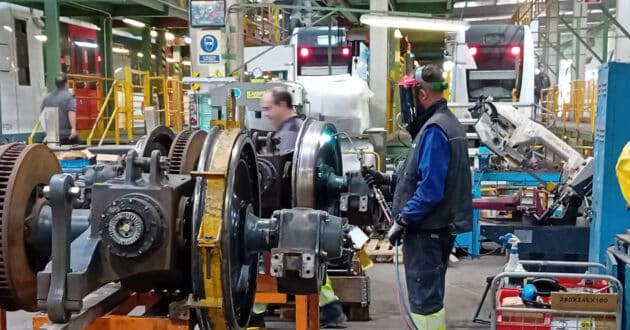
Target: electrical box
(610,215)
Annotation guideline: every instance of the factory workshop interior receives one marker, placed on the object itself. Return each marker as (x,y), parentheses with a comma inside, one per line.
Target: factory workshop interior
(314,164)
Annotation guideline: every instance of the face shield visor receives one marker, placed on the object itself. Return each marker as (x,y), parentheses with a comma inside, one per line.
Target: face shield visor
(408,99)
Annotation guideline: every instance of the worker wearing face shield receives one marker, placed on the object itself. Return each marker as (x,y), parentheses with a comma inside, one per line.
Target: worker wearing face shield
(432,194)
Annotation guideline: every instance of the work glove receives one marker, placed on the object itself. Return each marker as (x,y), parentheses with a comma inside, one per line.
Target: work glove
(373,177)
(395,232)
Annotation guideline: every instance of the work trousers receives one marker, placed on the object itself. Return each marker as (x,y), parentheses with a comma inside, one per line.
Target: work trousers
(68,141)
(426,256)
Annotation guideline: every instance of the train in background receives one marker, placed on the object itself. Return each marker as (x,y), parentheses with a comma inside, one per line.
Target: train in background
(22,83)
(22,69)
(311,51)
(493,61)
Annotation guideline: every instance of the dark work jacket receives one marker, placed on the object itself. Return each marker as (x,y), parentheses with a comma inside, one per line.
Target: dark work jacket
(455,211)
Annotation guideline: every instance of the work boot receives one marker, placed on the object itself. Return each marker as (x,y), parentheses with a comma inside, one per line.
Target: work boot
(435,321)
(331,316)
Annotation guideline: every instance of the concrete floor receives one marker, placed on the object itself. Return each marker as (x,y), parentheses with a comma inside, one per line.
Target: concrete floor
(465,284)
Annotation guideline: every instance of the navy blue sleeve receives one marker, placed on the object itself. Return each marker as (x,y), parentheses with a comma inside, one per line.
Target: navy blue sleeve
(432,167)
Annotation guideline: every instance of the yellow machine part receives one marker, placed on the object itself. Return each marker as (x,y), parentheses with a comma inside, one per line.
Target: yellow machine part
(623,172)
(209,239)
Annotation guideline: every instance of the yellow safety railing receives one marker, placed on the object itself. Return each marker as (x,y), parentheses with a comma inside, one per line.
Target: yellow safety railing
(161,86)
(529,11)
(88,91)
(549,104)
(262,25)
(581,107)
(119,108)
(33,132)
(113,96)
(177,91)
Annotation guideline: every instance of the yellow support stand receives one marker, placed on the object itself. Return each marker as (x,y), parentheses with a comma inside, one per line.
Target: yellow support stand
(128,104)
(146,82)
(167,110)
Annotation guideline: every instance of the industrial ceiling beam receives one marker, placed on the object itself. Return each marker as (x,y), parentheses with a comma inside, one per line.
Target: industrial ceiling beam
(136,11)
(582,41)
(138,8)
(606,12)
(352,17)
(328,9)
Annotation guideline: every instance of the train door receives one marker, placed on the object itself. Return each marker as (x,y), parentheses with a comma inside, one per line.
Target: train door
(85,61)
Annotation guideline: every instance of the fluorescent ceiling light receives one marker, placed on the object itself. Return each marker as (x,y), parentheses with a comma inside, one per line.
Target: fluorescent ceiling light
(85,44)
(41,37)
(186,63)
(154,33)
(8,28)
(487,18)
(471,4)
(133,22)
(119,50)
(188,40)
(414,23)
(169,36)
(80,23)
(126,34)
(170,60)
(508,2)
(140,54)
(117,70)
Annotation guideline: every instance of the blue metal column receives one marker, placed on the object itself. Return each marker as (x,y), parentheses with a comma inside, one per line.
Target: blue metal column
(610,216)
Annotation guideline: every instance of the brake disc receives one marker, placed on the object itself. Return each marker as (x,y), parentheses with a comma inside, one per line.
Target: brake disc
(185,150)
(24,171)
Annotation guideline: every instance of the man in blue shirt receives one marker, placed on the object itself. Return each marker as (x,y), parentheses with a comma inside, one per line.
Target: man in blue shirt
(433,193)
(66,105)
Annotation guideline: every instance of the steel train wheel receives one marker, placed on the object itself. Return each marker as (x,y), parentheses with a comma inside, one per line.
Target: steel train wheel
(160,138)
(229,188)
(24,171)
(316,146)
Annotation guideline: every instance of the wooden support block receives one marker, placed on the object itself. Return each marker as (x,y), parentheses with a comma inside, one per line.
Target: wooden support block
(356,312)
(266,283)
(270,298)
(313,312)
(112,322)
(380,250)
(352,289)
(301,312)
(357,270)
